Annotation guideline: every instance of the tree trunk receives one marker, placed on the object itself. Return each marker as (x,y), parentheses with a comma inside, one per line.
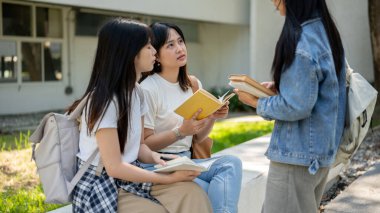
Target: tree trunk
(374,22)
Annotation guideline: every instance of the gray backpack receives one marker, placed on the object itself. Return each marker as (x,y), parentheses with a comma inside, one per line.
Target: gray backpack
(361,101)
(57,137)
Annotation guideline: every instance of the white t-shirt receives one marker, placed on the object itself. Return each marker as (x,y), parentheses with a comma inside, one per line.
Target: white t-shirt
(87,143)
(163,97)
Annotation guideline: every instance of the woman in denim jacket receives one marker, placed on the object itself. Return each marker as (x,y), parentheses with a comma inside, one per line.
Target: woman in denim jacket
(309,108)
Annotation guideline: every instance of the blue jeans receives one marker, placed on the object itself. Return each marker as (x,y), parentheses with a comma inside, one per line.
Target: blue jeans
(222,182)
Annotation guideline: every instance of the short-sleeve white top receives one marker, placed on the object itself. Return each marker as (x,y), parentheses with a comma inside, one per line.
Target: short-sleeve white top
(87,143)
(162,98)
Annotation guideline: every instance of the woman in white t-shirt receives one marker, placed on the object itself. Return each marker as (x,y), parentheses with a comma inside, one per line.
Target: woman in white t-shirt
(167,87)
(112,121)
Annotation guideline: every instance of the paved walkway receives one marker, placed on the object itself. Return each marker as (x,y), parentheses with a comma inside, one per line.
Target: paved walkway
(362,196)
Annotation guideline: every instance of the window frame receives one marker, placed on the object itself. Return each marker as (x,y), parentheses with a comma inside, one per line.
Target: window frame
(35,39)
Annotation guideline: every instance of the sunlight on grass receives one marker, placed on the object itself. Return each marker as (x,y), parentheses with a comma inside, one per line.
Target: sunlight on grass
(226,134)
(31,200)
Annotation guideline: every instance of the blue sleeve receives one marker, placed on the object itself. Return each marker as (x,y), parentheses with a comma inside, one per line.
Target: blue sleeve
(298,92)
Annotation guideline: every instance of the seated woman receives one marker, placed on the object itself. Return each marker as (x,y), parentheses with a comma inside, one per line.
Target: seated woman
(112,122)
(167,86)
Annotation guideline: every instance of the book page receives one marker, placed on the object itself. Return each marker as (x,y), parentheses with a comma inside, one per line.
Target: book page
(181,163)
(207,163)
(251,82)
(248,88)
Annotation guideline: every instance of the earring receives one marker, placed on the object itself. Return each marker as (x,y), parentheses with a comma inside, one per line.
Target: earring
(158,64)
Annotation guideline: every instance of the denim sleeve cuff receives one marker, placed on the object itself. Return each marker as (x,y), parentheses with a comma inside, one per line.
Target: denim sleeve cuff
(261,106)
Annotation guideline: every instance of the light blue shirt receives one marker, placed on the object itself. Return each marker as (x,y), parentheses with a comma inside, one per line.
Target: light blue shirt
(309,112)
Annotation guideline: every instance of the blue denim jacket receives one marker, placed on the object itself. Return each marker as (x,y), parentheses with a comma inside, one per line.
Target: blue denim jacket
(309,112)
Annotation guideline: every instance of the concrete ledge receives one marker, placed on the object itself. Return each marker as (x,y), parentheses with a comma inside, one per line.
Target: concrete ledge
(363,195)
(255,171)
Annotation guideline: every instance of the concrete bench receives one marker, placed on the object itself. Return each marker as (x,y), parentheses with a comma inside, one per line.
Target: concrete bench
(255,171)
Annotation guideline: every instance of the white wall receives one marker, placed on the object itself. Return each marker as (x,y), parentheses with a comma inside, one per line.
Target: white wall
(352,21)
(223,50)
(265,29)
(221,11)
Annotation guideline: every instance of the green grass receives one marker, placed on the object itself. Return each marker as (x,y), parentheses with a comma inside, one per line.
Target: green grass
(25,201)
(226,134)
(15,141)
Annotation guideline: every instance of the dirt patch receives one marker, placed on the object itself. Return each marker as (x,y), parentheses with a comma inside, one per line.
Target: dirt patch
(17,170)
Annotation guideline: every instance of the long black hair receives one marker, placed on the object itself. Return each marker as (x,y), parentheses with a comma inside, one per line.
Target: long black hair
(114,73)
(297,12)
(160,32)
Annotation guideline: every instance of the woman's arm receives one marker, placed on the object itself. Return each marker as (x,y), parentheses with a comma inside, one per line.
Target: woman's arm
(108,143)
(157,141)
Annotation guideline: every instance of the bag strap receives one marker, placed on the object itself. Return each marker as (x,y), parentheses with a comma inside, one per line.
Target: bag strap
(81,172)
(79,108)
(349,71)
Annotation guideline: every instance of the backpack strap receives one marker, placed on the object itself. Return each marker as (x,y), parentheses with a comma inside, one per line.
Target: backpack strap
(79,108)
(81,171)
(349,71)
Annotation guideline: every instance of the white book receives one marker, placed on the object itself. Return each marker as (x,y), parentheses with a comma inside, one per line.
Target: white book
(184,163)
(245,87)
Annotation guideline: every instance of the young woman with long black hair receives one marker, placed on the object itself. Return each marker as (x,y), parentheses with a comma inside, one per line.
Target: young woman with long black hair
(168,86)
(112,121)
(309,108)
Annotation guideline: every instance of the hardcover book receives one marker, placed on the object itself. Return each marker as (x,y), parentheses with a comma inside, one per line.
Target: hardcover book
(249,85)
(184,163)
(204,100)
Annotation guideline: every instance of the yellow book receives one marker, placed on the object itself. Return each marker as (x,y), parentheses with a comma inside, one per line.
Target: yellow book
(204,100)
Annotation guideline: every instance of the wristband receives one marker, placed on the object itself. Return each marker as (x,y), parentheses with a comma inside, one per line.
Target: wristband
(178,134)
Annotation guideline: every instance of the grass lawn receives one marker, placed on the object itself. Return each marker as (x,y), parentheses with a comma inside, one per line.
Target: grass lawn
(227,134)
(20,189)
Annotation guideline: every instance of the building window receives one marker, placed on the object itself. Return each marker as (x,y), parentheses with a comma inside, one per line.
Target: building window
(49,22)
(17,20)
(88,24)
(52,61)
(8,63)
(39,40)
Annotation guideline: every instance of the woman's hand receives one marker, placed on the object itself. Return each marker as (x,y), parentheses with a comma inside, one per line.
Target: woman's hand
(162,158)
(179,176)
(192,126)
(270,85)
(246,98)
(220,113)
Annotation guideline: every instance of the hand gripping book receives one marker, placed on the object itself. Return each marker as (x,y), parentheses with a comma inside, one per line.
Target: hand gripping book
(247,84)
(204,100)
(184,163)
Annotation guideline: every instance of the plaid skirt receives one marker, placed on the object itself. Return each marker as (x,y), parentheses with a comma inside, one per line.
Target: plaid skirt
(99,193)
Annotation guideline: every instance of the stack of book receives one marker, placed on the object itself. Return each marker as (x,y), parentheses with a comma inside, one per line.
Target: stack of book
(247,84)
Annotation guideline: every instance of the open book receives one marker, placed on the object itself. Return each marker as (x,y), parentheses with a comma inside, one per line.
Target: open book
(184,163)
(204,100)
(247,84)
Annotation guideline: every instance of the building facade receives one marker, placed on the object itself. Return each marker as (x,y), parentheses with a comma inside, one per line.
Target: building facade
(47,46)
